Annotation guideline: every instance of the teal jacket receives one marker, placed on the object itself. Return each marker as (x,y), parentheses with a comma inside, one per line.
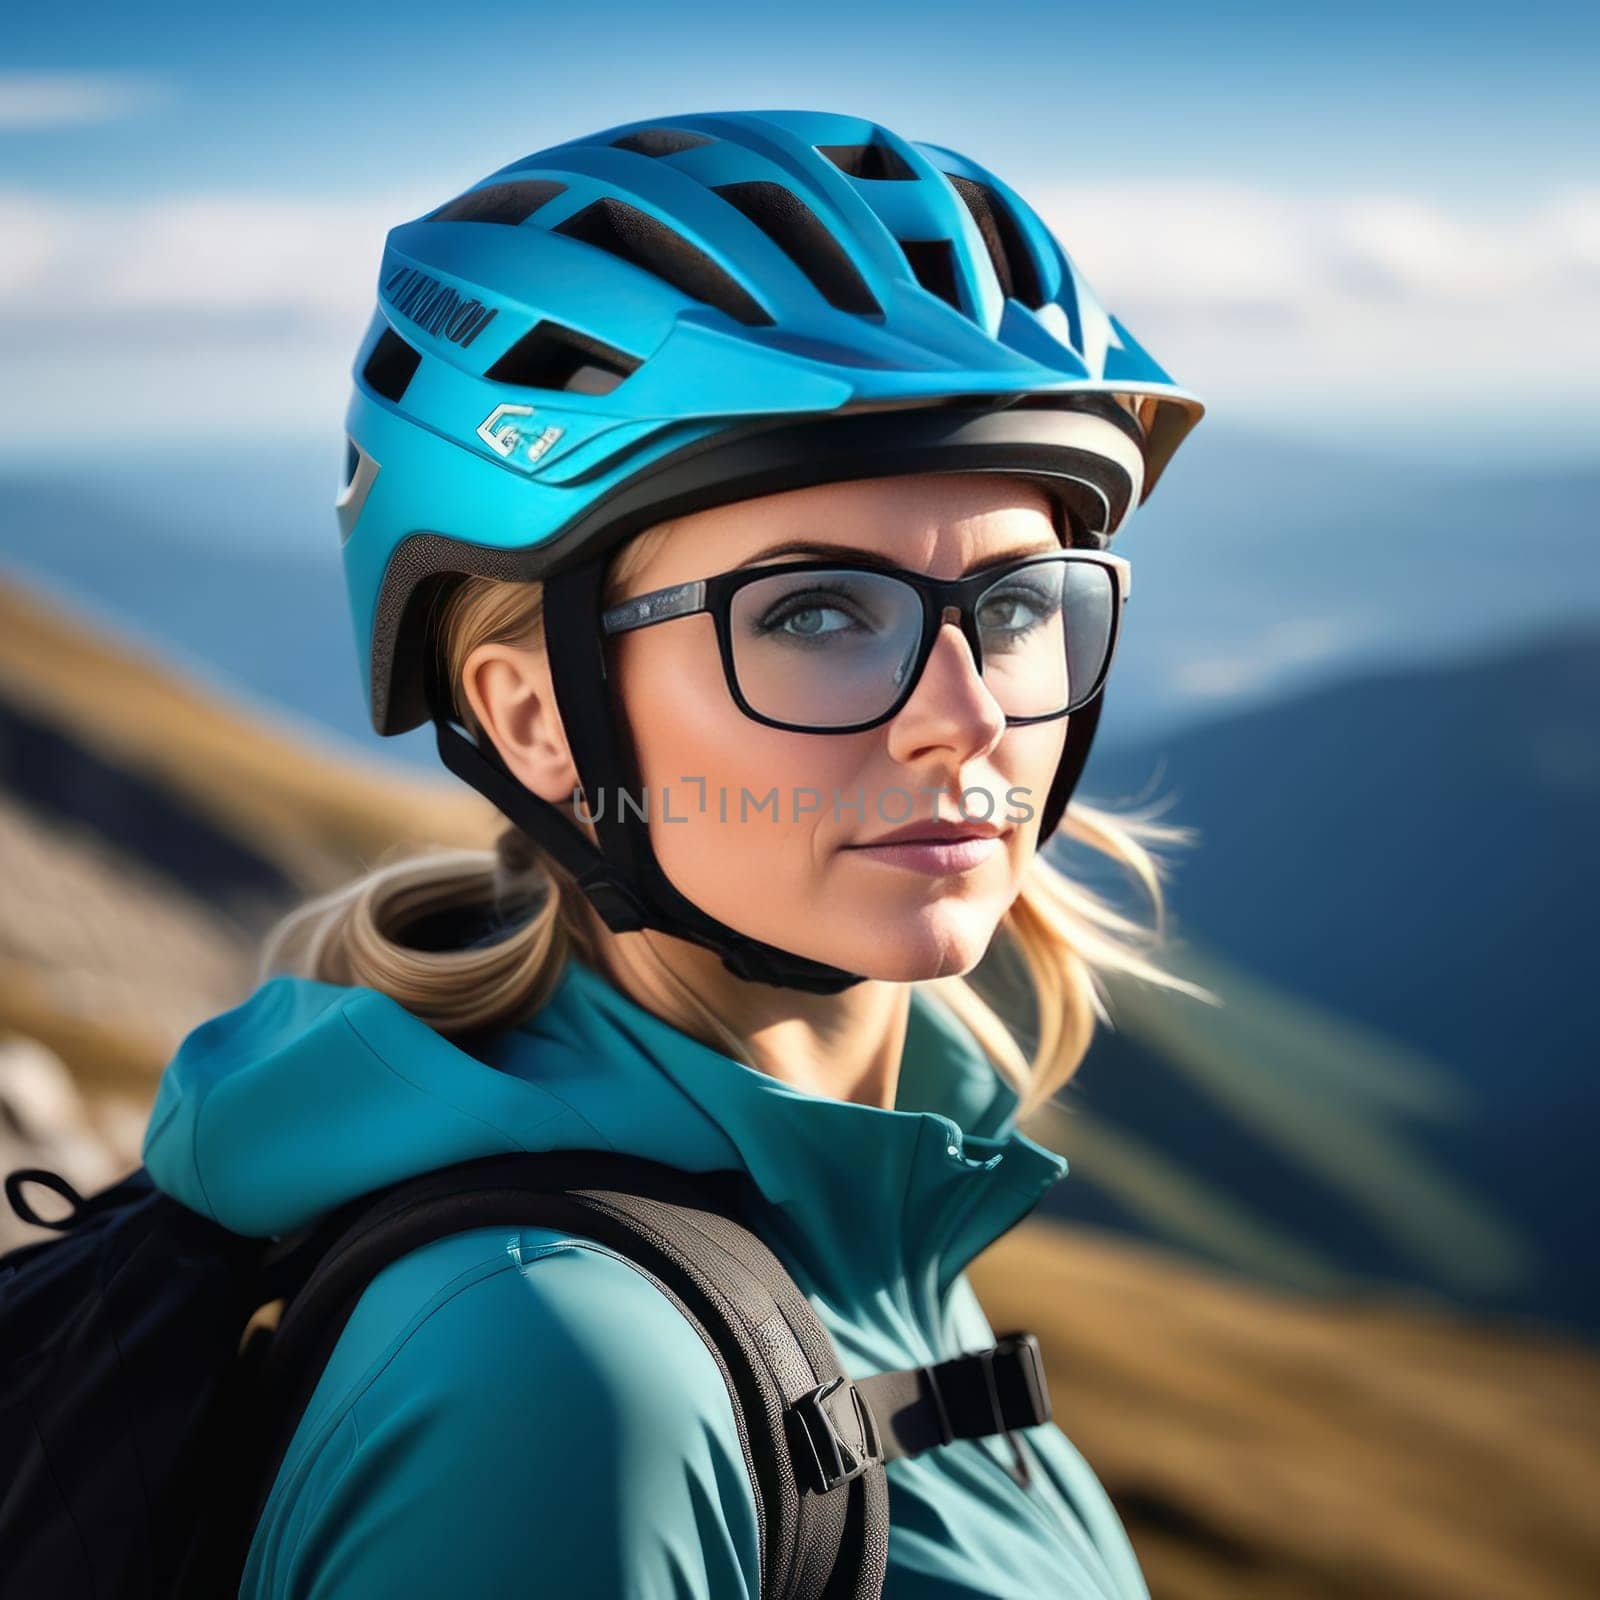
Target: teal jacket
(512,1412)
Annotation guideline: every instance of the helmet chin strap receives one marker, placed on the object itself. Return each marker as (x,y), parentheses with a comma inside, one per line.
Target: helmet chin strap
(1080,735)
(622,878)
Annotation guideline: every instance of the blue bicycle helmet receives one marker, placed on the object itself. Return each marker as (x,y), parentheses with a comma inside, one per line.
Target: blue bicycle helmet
(681,312)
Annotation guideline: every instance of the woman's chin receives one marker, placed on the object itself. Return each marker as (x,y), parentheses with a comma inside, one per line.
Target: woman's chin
(941,940)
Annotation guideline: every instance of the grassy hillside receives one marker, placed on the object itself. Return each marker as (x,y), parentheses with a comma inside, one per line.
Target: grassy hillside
(1260,1444)
(1267,1446)
(1393,887)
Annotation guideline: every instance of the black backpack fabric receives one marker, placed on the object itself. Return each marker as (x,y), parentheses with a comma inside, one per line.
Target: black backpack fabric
(142,1431)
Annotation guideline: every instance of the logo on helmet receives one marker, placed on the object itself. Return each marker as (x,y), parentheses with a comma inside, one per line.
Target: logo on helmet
(503,437)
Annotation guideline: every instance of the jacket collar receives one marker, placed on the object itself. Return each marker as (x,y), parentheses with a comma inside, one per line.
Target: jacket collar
(867,1202)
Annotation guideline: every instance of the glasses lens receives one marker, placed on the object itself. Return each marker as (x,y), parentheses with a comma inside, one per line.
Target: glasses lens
(824,649)
(1046,632)
(832,649)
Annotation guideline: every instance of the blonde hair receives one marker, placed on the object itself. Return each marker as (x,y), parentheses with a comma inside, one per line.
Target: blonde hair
(1067,938)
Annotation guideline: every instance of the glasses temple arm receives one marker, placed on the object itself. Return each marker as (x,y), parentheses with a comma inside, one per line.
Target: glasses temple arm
(680,600)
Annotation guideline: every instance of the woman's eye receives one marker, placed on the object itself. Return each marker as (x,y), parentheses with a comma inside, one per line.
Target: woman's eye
(1011,613)
(811,621)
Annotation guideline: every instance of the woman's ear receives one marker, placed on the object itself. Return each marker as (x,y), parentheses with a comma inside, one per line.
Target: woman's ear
(513,699)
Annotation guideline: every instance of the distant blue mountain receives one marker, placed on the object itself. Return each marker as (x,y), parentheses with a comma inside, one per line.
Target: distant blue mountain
(1261,568)
(1371,687)
(1413,855)
(234,576)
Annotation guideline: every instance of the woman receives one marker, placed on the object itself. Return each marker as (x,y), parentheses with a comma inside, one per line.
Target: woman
(741,483)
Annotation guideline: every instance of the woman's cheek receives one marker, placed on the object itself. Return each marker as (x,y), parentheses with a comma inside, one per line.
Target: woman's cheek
(708,770)
(1027,759)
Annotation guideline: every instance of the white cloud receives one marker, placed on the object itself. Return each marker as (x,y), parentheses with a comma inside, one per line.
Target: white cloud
(30,241)
(195,315)
(1374,311)
(215,255)
(1171,247)
(1381,310)
(30,100)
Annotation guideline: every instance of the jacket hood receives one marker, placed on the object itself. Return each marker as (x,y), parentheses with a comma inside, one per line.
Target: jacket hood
(309,1094)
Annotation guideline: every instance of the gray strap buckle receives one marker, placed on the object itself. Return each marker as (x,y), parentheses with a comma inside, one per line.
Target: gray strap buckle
(827,1454)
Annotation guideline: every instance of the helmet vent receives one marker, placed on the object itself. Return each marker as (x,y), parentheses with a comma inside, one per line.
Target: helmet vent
(661,141)
(1013,262)
(868,161)
(797,230)
(551,356)
(934,263)
(391,366)
(637,237)
(499,202)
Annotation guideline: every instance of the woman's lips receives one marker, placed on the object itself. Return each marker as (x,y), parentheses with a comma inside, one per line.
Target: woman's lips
(941,858)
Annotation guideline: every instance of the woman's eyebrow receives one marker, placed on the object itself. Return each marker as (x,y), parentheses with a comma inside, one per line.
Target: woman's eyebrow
(872,558)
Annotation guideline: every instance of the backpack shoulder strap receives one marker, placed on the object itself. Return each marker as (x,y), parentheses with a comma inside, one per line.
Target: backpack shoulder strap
(816,1441)
(815,1456)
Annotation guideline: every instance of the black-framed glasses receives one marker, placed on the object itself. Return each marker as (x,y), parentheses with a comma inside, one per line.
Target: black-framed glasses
(838,647)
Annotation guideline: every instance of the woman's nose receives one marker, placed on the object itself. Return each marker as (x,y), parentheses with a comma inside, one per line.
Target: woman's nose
(950,705)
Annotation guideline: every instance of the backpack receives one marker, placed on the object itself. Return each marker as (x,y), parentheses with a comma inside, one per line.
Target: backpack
(145,1406)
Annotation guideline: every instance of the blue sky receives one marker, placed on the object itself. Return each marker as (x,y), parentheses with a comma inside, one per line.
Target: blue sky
(1366,222)
(1468,100)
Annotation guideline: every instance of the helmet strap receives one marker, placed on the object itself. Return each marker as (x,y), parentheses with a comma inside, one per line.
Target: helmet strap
(1080,735)
(622,878)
